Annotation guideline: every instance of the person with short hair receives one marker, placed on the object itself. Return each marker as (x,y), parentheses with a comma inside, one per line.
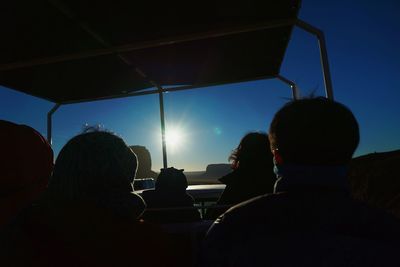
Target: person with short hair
(97,167)
(89,214)
(311,219)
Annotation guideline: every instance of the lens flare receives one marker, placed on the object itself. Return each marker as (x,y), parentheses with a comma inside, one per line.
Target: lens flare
(175,139)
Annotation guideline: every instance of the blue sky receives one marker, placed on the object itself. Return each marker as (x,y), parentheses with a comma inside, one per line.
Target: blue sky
(362,40)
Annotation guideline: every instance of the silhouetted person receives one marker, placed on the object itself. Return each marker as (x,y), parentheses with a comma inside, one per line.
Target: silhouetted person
(144,162)
(170,193)
(252,173)
(88,215)
(311,219)
(26,162)
(97,167)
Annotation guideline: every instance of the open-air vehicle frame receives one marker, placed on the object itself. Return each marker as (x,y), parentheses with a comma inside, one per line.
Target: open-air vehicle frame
(79,51)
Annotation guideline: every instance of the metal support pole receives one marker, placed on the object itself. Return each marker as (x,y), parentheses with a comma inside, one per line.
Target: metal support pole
(160,91)
(162,120)
(50,122)
(295,91)
(323,53)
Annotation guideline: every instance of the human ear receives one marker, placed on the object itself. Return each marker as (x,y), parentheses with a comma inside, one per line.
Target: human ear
(277,157)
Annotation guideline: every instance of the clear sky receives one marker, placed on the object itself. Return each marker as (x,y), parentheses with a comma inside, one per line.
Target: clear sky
(363,39)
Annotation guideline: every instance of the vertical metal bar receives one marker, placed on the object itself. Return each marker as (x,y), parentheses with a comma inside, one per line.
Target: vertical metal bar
(325,66)
(162,114)
(295,91)
(49,129)
(50,122)
(162,119)
(323,53)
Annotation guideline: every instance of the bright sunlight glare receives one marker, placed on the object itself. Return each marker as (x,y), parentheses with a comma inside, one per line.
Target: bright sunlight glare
(175,138)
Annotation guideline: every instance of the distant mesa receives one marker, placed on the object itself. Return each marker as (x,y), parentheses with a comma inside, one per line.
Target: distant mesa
(144,159)
(210,176)
(375,178)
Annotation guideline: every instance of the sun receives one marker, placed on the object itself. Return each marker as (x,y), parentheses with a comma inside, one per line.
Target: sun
(174,138)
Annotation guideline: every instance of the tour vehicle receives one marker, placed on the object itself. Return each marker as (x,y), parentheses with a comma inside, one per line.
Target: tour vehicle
(70,52)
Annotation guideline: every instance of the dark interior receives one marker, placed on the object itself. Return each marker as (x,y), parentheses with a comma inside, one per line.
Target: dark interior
(39,37)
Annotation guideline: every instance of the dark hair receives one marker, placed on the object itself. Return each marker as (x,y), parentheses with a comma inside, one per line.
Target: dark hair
(314,131)
(253,150)
(93,164)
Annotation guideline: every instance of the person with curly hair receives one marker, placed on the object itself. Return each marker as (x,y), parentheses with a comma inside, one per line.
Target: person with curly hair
(252,173)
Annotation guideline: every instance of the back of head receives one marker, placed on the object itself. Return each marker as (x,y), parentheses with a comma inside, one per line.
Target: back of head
(96,166)
(314,131)
(26,162)
(171,180)
(252,152)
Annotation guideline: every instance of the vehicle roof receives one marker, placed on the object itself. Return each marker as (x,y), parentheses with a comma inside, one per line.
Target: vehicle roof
(84,50)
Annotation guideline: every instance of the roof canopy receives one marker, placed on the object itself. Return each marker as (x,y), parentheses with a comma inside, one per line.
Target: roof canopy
(76,50)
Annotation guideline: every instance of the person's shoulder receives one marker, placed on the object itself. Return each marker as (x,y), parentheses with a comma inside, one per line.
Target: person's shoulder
(230,177)
(262,201)
(137,198)
(189,198)
(258,208)
(148,192)
(246,219)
